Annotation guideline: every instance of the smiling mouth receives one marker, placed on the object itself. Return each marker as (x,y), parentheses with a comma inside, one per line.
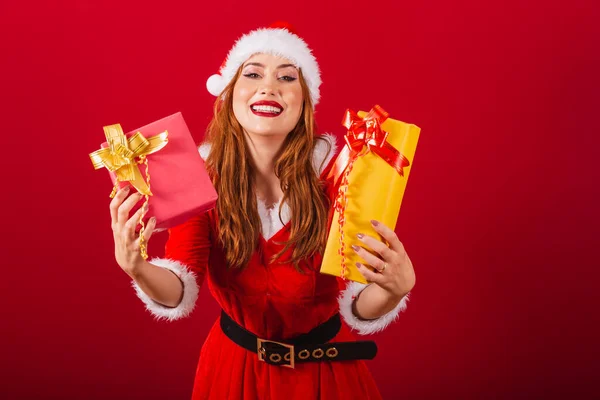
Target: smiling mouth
(266,110)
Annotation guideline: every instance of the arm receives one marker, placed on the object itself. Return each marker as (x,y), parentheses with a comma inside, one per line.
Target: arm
(371,308)
(366,311)
(169,286)
(160,284)
(372,303)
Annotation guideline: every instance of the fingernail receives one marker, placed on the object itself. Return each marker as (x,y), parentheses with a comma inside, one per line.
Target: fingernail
(358,265)
(355,247)
(153,220)
(126,189)
(375,223)
(360,235)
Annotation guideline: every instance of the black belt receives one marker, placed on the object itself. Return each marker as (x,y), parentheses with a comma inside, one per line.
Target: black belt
(308,347)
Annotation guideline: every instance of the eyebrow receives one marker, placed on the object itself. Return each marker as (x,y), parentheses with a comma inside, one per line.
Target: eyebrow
(263,66)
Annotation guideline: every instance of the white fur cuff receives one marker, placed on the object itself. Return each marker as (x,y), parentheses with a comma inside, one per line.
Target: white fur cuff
(366,327)
(190,292)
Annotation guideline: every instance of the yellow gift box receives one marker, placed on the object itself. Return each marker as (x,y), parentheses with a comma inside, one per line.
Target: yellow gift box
(369,178)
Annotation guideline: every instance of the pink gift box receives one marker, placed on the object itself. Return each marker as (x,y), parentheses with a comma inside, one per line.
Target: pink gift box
(179,182)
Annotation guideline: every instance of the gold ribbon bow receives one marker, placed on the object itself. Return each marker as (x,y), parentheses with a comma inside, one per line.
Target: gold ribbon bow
(120,156)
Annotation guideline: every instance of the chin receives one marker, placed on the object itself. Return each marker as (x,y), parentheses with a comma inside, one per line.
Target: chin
(267,132)
(269,129)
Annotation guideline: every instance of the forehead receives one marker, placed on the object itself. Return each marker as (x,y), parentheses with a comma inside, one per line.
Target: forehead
(269,60)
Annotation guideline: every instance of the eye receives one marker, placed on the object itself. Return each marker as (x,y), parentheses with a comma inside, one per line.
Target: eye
(288,78)
(252,75)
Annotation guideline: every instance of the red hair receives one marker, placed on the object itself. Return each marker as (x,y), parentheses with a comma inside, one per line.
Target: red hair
(231,169)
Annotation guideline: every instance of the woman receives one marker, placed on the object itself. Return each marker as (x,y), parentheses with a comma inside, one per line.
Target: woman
(279,335)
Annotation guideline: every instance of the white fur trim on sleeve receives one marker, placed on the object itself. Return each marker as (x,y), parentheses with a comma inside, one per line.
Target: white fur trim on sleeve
(366,327)
(190,292)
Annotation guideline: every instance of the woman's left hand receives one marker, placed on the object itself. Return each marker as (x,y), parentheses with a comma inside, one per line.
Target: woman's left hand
(393,271)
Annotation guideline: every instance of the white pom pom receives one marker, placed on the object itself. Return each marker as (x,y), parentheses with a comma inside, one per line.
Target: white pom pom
(215,84)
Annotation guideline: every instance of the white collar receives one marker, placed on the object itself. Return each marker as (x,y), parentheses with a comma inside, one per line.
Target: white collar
(271,224)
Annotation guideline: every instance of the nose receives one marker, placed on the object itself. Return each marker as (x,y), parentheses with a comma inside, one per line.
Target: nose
(268,87)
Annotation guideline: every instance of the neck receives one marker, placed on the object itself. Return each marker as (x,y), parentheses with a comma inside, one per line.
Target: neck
(263,150)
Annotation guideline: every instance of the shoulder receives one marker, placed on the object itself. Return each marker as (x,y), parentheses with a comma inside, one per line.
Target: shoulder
(325,149)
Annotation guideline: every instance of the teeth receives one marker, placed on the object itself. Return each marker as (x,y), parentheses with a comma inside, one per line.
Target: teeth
(271,109)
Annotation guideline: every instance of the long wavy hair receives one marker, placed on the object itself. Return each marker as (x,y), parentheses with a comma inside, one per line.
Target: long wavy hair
(231,169)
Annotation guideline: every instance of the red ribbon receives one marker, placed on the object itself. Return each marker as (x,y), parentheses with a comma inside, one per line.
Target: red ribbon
(365,135)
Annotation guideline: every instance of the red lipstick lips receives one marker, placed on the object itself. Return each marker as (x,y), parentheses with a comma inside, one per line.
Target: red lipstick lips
(266,108)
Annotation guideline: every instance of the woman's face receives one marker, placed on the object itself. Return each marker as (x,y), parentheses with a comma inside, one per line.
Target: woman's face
(267,97)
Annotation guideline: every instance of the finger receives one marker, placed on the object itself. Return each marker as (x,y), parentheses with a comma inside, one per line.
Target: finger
(125,208)
(381,248)
(389,235)
(369,258)
(147,234)
(116,202)
(132,222)
(369,275)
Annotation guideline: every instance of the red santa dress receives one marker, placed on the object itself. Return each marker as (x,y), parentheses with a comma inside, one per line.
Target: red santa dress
(270,300)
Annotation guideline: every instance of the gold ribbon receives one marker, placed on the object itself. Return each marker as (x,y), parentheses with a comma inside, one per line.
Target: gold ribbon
(120,156)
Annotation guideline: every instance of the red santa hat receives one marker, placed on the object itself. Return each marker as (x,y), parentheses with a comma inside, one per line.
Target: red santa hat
(279,39)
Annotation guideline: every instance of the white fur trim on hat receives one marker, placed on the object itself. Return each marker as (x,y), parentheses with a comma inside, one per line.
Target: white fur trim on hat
(276,41)
(215,84)
(190,292)
(366,327)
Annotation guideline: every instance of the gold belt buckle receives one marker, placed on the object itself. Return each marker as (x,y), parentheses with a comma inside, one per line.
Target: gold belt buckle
(261,351)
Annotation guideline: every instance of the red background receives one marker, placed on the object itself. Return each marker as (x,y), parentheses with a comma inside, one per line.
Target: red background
(498,217)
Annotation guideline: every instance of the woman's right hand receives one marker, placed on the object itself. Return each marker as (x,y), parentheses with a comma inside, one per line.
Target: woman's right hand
(127,242)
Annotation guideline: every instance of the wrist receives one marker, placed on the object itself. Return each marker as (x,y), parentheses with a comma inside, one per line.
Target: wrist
(397,298)
(376,301)
(389,300)
(138,269)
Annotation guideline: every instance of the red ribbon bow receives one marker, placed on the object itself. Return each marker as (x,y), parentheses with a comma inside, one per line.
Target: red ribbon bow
(365,131)
(365,135)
